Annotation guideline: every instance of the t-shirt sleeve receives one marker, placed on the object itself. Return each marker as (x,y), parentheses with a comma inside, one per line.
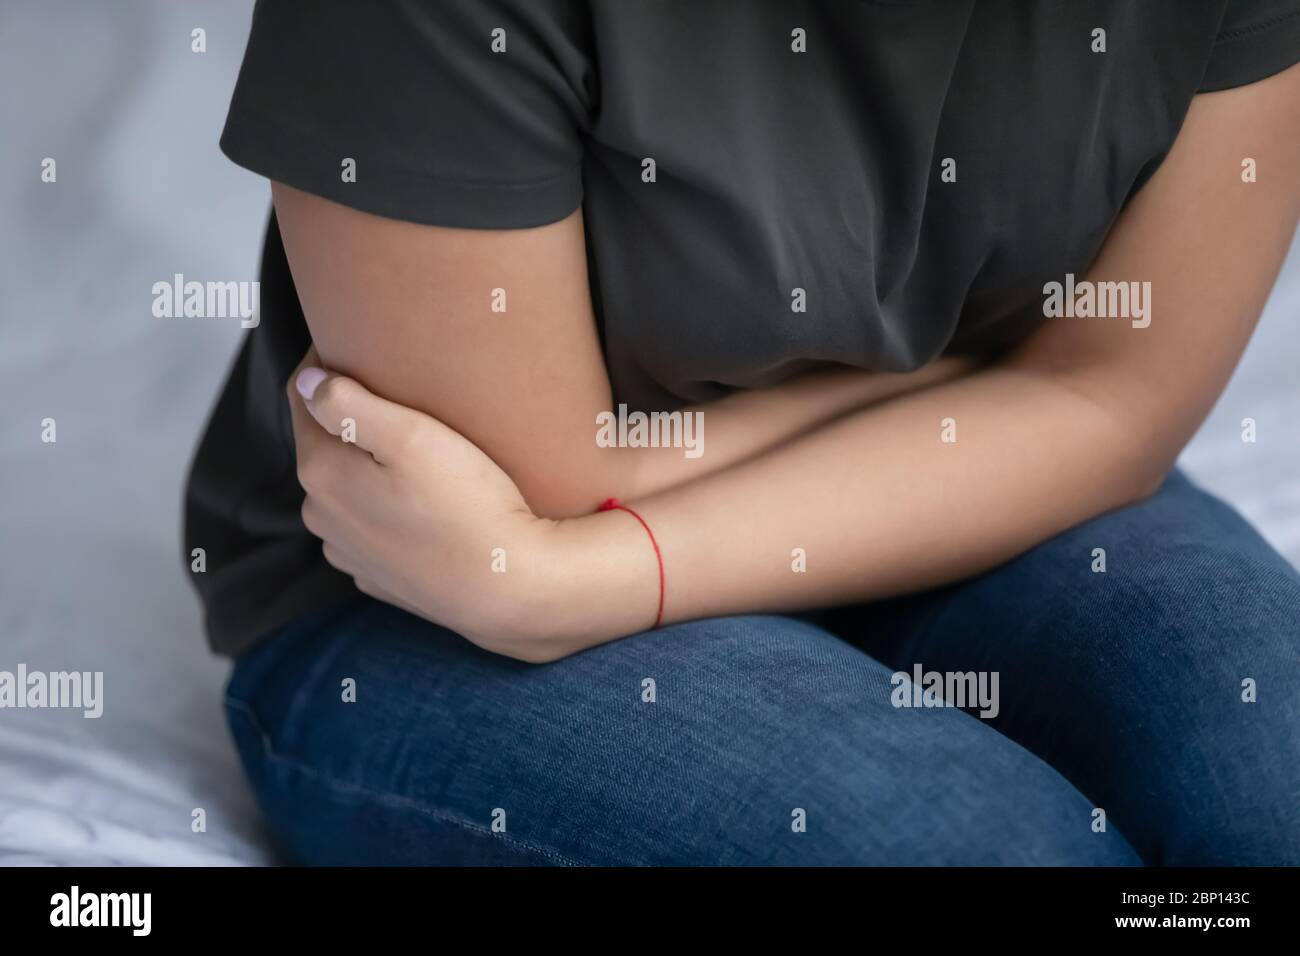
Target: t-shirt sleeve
(1256,39)
(445,113)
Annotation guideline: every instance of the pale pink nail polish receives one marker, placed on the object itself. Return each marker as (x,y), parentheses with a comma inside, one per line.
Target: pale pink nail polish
(309,380)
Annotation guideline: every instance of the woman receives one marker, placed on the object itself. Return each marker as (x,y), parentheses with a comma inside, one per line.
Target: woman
(939,291)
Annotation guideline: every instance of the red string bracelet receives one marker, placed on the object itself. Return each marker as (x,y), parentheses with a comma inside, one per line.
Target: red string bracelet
(613,504)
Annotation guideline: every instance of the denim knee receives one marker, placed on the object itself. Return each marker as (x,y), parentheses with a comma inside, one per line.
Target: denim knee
(1222,674)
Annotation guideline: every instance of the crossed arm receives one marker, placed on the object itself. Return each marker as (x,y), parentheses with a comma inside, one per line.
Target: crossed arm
(474,430)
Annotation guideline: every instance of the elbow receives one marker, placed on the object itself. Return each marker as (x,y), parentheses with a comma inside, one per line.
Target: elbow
(1141,474)
(1147,481)
(575,489)
(559,503)
(1157,440)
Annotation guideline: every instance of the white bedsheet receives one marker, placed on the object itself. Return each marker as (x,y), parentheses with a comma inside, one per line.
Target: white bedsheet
(90,572)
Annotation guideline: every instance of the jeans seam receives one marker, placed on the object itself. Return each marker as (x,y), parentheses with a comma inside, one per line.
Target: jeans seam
(392,799)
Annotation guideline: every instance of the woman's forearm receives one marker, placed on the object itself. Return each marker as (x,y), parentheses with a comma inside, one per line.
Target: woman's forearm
(749,422)
(878,503)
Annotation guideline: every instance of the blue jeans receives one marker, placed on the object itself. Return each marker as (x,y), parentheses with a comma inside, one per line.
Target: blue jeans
(1126,727)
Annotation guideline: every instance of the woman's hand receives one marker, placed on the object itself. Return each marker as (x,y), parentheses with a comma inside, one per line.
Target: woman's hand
(418,515)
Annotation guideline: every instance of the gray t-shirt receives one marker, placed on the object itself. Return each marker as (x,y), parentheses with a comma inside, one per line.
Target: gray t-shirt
(768,186)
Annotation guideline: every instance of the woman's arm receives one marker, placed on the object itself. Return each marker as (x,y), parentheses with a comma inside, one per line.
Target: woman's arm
(748,422)
(411,312)
(408,310)
(1087,416)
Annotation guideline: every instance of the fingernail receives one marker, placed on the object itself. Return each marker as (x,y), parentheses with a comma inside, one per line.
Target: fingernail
(309,380)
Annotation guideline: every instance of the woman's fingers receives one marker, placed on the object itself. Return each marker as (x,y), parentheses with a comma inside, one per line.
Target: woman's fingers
(328,467)
(347,409)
